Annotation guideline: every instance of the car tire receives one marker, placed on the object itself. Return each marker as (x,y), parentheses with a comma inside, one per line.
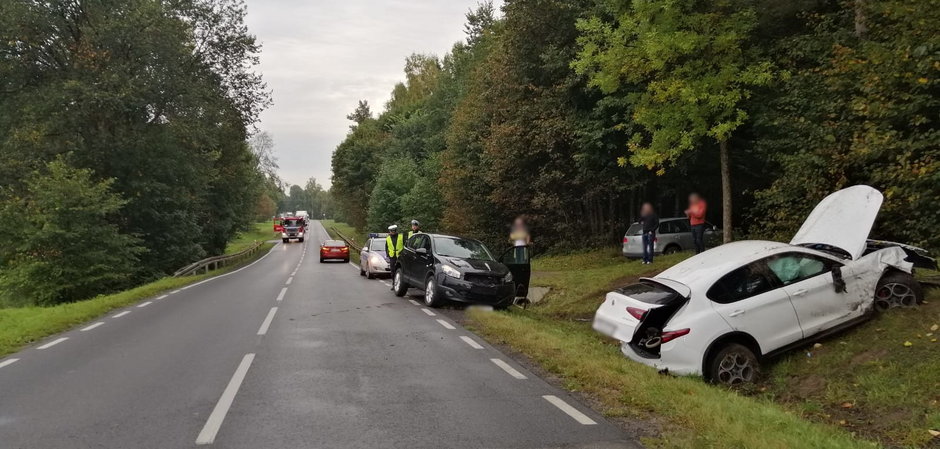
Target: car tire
(346,260)
(897,289)
(285,240)
(672,249)
(321,260)
(733,365)
(431,293)
(361,271)
(369,274)
(399,284)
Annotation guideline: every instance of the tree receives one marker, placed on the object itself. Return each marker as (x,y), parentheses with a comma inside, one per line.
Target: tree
(360,114)
(65,241)
(691,64)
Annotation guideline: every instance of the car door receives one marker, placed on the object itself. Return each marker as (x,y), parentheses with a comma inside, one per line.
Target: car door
(364,254)
(520,267)
(665,234)
(683,234)
(407,259)
(752,300)
(423,261)
(808,280)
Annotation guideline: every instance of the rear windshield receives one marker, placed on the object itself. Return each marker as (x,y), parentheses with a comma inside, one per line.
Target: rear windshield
(461,248)
(334,243)
(649,292)
(635,229)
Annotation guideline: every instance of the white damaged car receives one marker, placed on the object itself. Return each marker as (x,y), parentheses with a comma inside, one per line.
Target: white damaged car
(719,313)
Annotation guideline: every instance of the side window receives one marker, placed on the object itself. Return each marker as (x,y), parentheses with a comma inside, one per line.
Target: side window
(426,243)
(796,267)
(417,241)
(410,243)
(682,226)
(365,248)
(750,280)
(667,227)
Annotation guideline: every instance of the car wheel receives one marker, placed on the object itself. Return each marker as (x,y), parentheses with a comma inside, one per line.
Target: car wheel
(431,297)
(369,274)
(733,365)
(897,289)
(361,271)
(286,240)
(671,249)
(321,260)
(399,285)
(301,240)
(345,260)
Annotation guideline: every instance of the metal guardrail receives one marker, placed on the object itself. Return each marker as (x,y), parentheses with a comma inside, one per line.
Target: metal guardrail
(215,262)
(348,241)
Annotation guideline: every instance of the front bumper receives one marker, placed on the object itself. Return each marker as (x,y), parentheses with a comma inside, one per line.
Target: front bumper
(461,290)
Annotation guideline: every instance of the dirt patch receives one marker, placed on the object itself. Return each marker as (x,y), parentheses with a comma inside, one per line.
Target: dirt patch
(868,356)
(807,386)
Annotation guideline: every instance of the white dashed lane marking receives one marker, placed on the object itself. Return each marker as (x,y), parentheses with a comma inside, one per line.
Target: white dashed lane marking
(214,423)
(414,302)
(121,314)
(7,362)
(470,342)
(145,304)
(267,321)
(280,296)
(571,411)
(289,280)
(53,343)
(446,324)
(512,371)
(428,312)
(164,296)
(93,326)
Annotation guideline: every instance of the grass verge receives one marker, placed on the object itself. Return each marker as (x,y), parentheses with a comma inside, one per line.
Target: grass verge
(857,389)
(261,232)
(20,326)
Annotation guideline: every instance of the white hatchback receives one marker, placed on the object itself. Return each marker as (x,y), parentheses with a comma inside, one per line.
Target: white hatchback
(719,313)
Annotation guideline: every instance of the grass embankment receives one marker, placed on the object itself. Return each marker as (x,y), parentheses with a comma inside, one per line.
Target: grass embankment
(892,389)
(259,232)
(20,326)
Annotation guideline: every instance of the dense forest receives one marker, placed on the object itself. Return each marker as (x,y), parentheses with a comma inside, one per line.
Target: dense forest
(124,150)
(574,112)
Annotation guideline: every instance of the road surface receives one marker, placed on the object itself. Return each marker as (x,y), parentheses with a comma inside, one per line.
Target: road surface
(284,353)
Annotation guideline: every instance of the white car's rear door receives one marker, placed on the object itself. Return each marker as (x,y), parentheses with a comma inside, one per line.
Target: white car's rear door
(752,300)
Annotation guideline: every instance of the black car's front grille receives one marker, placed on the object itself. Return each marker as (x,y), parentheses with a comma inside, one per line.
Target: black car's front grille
(482,279)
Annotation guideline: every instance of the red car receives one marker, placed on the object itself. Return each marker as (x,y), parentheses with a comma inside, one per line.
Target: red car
(334,250)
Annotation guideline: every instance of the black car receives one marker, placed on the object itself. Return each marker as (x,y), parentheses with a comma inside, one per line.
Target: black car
(452,268)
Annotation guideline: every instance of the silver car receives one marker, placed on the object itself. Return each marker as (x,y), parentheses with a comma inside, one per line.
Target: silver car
(373,260)
(672,236)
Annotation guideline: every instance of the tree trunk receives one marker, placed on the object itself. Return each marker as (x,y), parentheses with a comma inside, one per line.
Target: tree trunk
(725,190)
(861,27)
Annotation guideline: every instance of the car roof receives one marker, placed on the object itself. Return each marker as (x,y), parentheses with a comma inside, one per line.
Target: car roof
(701,270)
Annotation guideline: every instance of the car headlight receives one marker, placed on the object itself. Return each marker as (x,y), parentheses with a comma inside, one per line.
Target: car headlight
(508,277)
(375,258)
(450,271)
(300,234)
(283,234)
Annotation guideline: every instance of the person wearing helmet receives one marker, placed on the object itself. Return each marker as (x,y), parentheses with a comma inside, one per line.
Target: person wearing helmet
(394,244)
(415,228)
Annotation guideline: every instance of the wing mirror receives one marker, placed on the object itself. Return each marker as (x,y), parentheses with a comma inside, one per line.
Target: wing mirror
(422,251)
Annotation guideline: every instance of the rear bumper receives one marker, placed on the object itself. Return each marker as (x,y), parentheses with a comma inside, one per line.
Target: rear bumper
(462,291)
(632,251)
(334,256)
(674,357)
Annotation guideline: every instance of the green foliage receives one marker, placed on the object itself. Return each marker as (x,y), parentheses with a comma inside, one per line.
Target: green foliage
(65,242)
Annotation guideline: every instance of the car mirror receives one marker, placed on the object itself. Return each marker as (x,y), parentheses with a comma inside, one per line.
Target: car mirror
(421,251)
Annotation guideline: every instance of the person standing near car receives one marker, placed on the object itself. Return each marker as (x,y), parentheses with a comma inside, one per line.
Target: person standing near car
(415,228)
(650,222)
(521,239)
(394,244)
(696,214)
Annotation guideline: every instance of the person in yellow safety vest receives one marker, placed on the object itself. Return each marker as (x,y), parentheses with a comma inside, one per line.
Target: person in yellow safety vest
(415,228)
(394,244)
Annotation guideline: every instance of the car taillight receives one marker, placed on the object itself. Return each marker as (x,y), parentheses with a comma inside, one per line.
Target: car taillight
(345,249)
(637,313)
(625,240)
(672,335)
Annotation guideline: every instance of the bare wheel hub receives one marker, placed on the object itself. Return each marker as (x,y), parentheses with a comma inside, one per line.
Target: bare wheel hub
(893,295)
(736,368)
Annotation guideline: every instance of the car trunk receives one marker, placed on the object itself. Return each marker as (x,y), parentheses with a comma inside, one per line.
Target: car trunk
(637,314)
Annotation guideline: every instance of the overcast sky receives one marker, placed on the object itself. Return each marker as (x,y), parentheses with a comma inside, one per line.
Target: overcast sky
(320,57)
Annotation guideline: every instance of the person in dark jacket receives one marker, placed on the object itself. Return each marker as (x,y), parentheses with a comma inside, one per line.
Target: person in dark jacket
(650,222)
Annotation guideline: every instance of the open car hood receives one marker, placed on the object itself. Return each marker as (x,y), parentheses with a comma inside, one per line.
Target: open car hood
(842,220)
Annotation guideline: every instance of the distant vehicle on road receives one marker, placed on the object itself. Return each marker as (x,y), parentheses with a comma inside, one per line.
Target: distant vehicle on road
(334,250)
(303,214)
(672,236)
(373,259)
(721,313)
(451,268)
(293,228)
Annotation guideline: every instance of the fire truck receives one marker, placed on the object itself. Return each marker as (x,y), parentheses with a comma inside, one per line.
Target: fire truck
(291,227)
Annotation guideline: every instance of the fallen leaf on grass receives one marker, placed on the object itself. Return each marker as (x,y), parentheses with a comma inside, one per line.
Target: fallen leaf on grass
(934,433)
(908,344)
(841,422)
(935,327)
(934,340)
(847,405)
(817,345)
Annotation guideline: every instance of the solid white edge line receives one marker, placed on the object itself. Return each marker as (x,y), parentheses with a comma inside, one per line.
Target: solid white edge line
(280,296)
(161,297)
(121,314)
(267,321)
(176,291)
(470,342)
(354,265)
(145,304)
(581,418)
(289,280)
(446,324)
(414,302)
(53,343)
(428,312)
(510,370)
(92,326)
(214,423)
(7,362)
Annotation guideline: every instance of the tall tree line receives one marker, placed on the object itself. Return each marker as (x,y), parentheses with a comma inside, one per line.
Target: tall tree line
(143,108)
(574,112)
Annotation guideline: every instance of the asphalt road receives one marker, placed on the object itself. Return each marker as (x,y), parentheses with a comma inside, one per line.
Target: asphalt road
(284,353)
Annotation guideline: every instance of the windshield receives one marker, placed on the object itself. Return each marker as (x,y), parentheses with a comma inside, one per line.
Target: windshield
(635,229)
(461,248)
(377,245)
(293,222)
